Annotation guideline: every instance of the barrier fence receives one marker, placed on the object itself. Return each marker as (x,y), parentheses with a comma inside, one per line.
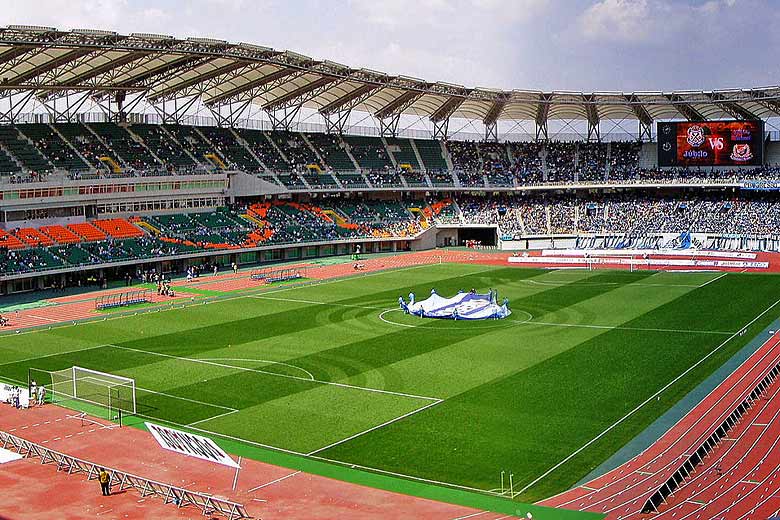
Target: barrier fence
(121,480)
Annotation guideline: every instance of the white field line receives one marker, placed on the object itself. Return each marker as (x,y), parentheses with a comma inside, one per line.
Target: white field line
(378,426)
(187,399)
(212,405)
(359,277)
(317,457)
(51,355)
(310,302)
(212,418)
(255,360)
(599,284)
(276,374)
(261,486)
(643,403)
(174,306)
(619,327)
(542,323)
(713,280)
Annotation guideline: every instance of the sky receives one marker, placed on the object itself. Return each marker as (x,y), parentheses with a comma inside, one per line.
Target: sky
(577,45)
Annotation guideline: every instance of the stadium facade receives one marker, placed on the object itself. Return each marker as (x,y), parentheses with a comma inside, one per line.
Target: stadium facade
(124,153)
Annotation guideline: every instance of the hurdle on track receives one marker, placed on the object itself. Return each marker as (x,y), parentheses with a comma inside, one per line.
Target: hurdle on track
(123,299)
(276,274)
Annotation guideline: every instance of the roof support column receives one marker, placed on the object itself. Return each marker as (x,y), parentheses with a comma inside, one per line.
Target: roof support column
(234,109)
(172,111)
(645,131)
(336,113)
(491,118)
(491,132)
(336,122)
(388,127)
(441,118)
(390,114)
(283,118)
(594,133)
(542,110)
(440,129)
(594,122)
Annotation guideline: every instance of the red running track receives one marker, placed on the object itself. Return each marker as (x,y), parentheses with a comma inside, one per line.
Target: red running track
(268,492)
(622,492)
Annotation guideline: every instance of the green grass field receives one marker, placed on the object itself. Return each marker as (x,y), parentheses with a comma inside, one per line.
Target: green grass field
(323,371)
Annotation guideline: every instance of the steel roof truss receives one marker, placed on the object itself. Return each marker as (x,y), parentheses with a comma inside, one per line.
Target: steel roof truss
(300,95)
(203,81)
(252,89)
(684,108)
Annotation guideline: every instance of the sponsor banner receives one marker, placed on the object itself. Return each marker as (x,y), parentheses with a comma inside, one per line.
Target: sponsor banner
(654,252)
(190,445)
(760,185)
(553,260)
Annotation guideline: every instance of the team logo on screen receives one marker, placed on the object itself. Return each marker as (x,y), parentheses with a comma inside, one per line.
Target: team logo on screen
(741,153)
(695,136)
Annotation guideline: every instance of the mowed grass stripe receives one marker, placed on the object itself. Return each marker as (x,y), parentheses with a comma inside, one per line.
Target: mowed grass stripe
(523,421)
(511,348)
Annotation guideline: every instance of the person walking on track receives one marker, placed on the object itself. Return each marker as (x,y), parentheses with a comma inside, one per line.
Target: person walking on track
(105,479)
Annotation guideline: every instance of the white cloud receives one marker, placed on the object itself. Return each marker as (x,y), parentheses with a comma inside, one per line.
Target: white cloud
(546,44)
(617,20)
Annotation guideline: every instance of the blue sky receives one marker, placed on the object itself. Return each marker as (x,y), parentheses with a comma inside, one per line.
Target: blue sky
(588,45)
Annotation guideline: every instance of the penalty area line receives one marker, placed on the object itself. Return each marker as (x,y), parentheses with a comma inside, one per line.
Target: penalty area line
(276,374)
(378,426)
(212,418)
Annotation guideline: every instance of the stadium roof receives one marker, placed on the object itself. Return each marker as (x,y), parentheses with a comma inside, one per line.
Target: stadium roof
(53,63)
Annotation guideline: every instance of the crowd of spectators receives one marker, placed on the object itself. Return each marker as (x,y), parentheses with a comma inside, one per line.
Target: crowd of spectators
(624,214)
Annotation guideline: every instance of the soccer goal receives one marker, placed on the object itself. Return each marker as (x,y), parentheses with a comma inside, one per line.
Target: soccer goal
(112,395)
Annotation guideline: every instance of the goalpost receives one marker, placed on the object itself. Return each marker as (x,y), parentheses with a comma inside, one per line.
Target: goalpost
(115,395)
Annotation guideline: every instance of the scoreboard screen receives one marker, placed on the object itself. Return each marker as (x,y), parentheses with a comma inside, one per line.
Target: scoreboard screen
(711,143)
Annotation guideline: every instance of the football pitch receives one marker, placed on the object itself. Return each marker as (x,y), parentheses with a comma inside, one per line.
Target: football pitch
(334,372)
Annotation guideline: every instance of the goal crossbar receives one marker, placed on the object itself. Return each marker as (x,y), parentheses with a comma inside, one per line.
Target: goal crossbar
(113,392)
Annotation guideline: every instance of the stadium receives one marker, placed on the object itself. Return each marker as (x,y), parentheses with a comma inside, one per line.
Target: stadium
(218,284)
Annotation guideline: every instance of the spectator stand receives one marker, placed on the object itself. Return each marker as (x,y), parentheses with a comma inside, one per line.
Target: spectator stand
(123,299)
(274,274)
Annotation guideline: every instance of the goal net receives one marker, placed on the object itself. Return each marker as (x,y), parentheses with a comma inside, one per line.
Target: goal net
(109,392)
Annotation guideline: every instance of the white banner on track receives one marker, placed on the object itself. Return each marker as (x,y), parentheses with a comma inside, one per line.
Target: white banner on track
(190,444)
(579,261)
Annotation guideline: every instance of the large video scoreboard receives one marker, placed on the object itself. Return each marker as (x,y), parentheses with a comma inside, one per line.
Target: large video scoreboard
(711,143)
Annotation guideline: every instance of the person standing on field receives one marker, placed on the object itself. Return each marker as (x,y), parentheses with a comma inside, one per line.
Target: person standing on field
(105,479)
(41,395)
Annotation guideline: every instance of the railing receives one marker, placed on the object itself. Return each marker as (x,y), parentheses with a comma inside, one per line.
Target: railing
(180,497)
(689,465)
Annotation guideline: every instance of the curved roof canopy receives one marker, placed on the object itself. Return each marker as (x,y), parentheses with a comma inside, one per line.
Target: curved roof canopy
(53,63)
